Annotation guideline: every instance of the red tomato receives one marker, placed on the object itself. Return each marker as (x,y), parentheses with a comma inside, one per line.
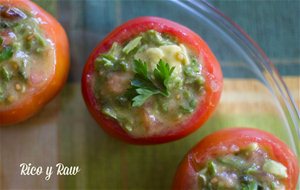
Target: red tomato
(219,143)
(22,109)
(211,71)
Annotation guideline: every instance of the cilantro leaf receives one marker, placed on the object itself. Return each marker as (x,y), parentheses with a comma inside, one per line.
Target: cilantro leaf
(143,95)
(138,82)
(162,74)
(143,85)
(6,53)
(140,68)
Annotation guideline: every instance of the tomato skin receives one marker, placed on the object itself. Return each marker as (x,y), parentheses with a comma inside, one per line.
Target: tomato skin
(54,31)
(219,143)
(211,70)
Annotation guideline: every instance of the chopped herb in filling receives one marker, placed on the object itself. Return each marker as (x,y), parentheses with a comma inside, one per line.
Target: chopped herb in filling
(22,47)
(148,84)
(248,169)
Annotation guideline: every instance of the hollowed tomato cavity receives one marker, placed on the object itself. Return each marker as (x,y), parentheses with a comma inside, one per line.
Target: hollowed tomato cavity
(149,84)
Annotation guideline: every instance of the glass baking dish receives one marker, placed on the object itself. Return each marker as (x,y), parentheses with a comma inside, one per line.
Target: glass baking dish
(254,95)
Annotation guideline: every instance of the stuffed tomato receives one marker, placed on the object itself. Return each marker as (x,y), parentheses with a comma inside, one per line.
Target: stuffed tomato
(151,81)
(34,59)
(238,158)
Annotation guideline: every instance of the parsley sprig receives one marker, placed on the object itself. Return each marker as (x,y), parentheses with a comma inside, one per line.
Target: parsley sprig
(145,84)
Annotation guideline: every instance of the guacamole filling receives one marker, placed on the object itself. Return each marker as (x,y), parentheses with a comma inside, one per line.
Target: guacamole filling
(250,168)
(25,54)
(148,84)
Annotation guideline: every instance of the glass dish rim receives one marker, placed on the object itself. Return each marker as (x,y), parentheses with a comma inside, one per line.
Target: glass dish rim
(279,87)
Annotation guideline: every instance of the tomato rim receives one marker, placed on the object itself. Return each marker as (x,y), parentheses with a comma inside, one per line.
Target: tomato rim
(194,42)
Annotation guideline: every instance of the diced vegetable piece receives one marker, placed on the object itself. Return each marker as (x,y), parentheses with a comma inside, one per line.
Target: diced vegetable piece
(17,46)
(250,186)
(275,168)
(122,65)
(233,161)
(2,96)
(109,112)
(253,169)
(40,40)
(192,70)
(115,49)
(132,44)
(106,60)
(211,168)
(110,62)
(190,106)
(4,73)
(252,147)
(152,36)
(22,70)
(201,180)
(6,53)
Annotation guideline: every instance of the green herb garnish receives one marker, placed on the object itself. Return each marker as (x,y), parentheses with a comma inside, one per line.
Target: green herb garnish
(143,95)
(6,53)
(144,85)
(162,74)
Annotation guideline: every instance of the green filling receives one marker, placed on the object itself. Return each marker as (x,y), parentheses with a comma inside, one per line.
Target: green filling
(155,38)
(147,76)
(247,169)
(4,73)
(251,185)
(20,40)
(6,53)
(192,74)
(110,60)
